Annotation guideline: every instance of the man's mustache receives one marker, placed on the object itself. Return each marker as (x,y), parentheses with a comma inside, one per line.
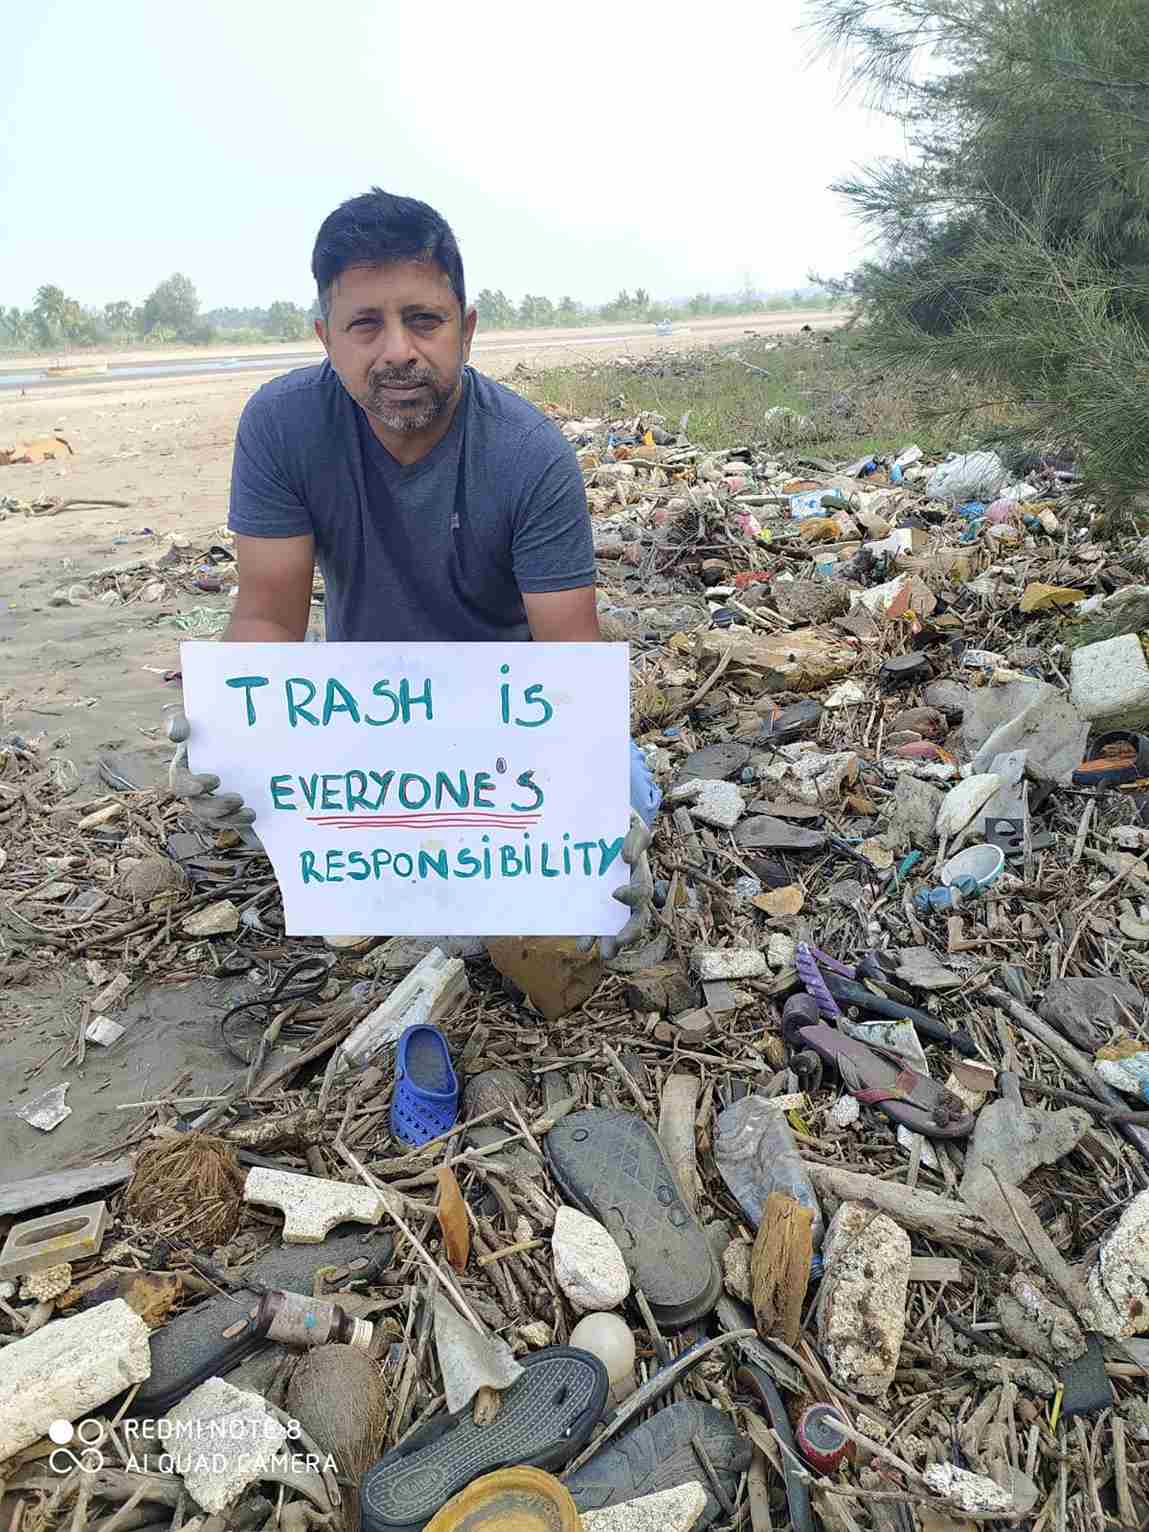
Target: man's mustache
(377,380)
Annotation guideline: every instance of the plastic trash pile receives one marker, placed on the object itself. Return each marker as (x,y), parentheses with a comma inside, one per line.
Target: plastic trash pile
(825,1206)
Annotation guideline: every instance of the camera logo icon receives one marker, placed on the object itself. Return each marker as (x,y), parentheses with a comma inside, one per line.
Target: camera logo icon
(77,1446)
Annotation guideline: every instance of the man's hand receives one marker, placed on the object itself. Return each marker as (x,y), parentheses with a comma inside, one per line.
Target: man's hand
(645,797)
(216,811)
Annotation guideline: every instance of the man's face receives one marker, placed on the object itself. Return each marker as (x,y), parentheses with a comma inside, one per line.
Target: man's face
(397,339)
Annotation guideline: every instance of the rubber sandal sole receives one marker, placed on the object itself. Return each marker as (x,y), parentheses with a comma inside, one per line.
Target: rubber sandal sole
(611,1165)
(544,1419)
(923,1105)
(658,1454)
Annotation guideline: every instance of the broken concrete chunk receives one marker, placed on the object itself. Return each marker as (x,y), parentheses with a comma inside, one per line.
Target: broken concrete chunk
(551,971)
(588,1263)
(716,803)
(970,1492)
(69,1367)
(728,962)
(1119,1281)
(73,1234)
(435,987)
(668,1510)
(311,1206)
(227,1439)
(862,1304)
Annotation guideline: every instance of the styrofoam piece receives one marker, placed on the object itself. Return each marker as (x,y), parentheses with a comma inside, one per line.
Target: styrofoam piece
(1110,680)
(311,1206)
(69,1367)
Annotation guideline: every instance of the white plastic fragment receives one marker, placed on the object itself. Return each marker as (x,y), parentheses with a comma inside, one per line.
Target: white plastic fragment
(1110,680)
(48,1110)
(434,988)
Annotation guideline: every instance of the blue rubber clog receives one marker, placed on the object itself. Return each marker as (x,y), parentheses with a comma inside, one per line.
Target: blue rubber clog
(426,1099)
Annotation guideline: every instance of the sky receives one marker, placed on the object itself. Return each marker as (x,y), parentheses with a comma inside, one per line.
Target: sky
(573,148)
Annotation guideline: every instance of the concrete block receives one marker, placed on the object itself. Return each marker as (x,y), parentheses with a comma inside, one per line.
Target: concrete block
(311,1206)
(668,1510)
(434,988)
(716,803)
(224,1441)
(73,1234)
(862,1303)
(1110,680)
(728,962)
(67,1368)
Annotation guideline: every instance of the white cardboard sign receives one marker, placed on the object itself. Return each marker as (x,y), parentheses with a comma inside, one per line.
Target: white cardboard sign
(425,789)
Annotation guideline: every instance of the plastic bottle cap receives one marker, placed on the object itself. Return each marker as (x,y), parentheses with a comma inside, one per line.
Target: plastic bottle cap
(362,1331)
(820,1441)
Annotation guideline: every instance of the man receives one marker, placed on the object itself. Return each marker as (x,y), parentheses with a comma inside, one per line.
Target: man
(439,505)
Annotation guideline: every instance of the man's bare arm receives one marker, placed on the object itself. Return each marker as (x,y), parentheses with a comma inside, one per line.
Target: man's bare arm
(563,616)
(274,601)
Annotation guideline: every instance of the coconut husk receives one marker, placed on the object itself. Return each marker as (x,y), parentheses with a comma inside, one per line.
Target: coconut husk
(341,1402)
(191,1186)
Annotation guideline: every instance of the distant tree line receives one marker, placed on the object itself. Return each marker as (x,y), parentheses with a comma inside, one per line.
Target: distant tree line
(497,311)
(171,314)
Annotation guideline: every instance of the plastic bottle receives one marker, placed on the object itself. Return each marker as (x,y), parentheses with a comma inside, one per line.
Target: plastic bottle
(756,1155)
(301,1321)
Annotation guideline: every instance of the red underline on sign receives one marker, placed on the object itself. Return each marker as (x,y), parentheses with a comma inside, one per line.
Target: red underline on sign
(416,821)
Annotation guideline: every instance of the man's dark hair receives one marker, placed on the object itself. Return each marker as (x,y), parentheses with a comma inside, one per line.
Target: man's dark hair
(377,229)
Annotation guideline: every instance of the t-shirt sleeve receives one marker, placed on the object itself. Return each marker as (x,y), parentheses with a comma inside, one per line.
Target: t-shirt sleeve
(264,501)
(552,548)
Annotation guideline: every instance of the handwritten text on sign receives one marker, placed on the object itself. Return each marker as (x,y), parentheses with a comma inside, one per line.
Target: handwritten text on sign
(430,789)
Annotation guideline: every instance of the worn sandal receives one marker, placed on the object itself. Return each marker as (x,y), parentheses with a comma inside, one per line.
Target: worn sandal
(879,1077)
(612,1166)
(426,1099)
(545,1418)
(659,1454)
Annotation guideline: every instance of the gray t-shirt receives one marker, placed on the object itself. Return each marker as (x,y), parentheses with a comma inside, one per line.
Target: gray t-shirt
(441,550)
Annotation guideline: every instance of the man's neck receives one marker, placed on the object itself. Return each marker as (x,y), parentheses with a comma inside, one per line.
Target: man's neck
(408,447)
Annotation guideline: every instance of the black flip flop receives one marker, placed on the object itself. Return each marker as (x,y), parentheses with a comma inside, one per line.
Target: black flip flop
(659,1454)
(611,1165)
(544,1419)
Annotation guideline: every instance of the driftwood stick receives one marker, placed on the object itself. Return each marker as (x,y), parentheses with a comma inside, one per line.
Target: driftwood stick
(921,1210)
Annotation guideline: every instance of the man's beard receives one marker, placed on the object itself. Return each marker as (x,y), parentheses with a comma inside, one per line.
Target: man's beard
(415,415)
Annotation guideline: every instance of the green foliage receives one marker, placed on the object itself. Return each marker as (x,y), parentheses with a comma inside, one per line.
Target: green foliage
(1014,239)
(173,305)
(118,316)
(495,310)
(287,321)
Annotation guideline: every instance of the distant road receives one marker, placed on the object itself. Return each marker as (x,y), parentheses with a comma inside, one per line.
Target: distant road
(531,346)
